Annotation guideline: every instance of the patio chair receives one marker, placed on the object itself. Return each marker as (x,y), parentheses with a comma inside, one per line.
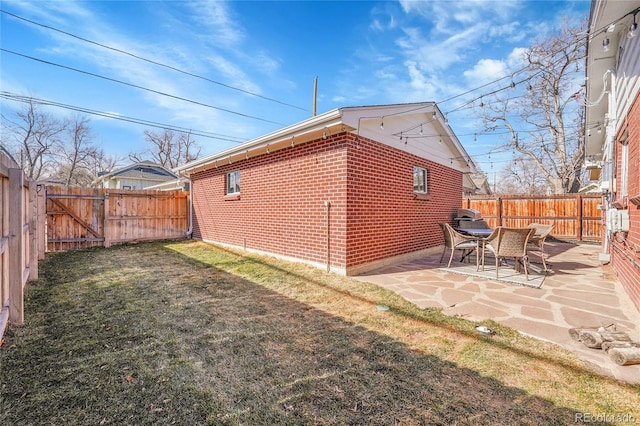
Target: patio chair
(536,242)
(453,240)
(508,242)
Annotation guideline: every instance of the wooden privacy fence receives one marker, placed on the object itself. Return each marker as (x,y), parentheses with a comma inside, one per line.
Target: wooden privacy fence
(573,216)
(20,247)
(84,217)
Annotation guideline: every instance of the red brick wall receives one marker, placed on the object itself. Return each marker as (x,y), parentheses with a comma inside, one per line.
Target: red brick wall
(625,249)
(384,219)
(281,207)
(374,214)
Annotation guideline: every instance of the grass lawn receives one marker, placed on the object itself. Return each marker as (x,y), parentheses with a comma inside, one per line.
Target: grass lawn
(188,333)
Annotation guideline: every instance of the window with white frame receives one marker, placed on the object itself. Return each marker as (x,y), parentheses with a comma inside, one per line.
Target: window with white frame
(420,180)
(624,165)
(233,182)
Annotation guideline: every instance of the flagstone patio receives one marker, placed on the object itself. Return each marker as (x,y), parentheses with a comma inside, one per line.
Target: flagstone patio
(578,291)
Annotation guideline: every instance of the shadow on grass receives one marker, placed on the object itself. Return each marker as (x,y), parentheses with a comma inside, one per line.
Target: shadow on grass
(138,335)
(406,309)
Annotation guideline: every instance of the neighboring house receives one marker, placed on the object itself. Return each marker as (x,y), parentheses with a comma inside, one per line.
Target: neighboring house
(469,187)
(482,184)
(613,132)
(348,190)
(135,176)
(48,181)
(180,184)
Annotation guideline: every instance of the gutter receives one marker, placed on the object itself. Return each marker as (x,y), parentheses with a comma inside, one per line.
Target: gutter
(293,132)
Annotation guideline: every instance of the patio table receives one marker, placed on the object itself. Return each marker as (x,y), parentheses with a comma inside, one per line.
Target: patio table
(479,234)
(476,232)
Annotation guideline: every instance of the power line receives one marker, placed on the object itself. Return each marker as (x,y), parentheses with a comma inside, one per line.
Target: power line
(139,87)
(152,61)
(27,99)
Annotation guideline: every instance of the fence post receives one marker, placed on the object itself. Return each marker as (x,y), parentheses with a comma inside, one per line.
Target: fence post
(579,225)
(16,247)
(41,220)
(33,232)
(499,211)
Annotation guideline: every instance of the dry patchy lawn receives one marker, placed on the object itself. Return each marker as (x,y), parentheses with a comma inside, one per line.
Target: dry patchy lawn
(188,333)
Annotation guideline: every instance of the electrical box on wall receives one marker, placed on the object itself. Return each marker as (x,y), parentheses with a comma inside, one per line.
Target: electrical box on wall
(618,220)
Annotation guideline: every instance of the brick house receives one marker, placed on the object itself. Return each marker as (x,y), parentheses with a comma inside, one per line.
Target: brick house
(348,190)
(613,132)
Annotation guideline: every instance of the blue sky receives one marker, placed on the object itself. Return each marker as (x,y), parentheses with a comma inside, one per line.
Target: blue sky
(259,60)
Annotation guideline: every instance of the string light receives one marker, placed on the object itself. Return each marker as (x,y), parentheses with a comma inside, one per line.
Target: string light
(633,27)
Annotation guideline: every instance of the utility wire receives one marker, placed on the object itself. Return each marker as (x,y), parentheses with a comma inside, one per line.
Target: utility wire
(139,87)
(27,99)
(152,61)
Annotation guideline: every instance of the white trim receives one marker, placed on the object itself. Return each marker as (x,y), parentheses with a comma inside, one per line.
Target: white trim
(425,175)
(314,123)
(363,121)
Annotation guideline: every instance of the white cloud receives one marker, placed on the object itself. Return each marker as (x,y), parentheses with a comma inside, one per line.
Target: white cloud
(515,60)
(449,16)
(485,70)
(217,21)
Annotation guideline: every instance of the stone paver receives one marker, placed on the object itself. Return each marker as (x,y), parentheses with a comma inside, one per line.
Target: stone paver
(578,292)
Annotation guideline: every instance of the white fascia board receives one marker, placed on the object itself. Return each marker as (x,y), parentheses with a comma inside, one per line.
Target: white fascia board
(399,117)
(315,123)
(363,120)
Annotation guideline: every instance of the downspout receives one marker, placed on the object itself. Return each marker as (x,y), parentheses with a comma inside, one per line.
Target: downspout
(610,130)
(189,231)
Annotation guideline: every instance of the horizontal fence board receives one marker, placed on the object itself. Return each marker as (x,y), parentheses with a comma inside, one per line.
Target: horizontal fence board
(573,216)
(81,217)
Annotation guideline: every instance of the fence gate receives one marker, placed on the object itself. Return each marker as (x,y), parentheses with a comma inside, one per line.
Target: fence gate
(85,217)
(75,218)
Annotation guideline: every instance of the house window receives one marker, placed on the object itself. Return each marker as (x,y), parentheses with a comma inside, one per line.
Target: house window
(420,180)
(624,167)
(233,182)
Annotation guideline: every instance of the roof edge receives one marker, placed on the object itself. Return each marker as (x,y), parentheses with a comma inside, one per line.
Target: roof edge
(301,127)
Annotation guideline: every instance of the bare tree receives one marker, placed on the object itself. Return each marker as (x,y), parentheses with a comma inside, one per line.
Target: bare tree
(33,138)
(103,163)
(521,177)
(76,154)
(548,110)
(168,148)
